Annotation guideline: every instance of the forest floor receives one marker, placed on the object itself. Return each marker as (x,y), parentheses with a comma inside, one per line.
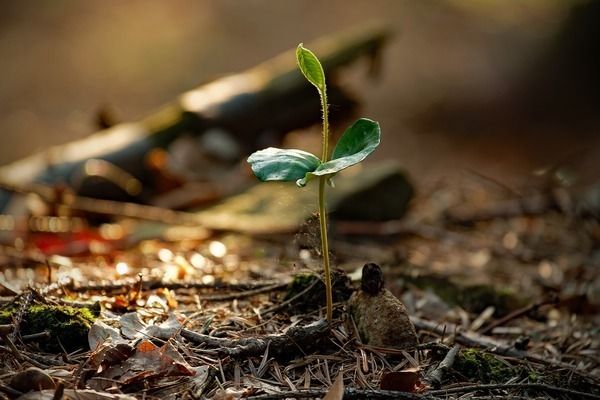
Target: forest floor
(503,291)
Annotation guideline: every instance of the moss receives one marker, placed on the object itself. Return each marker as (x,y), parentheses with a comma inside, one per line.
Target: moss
(67,325)
(483,367)
(6,314)
(533,377)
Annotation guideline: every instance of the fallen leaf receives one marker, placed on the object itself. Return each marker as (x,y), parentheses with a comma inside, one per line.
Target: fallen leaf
(100,333)
(166,330)
(401,381)
(132,326)
(336,391)
(150,361)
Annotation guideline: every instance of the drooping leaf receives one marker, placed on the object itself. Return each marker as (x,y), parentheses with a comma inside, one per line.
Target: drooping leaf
(272,164)
(357,142)
(311,67)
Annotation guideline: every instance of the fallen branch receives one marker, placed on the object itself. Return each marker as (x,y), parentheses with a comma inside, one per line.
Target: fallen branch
(305,337)
(158,284)
(271,97)
(436,375)
(518,313)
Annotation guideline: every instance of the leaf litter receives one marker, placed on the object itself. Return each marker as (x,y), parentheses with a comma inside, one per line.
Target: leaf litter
(155,293)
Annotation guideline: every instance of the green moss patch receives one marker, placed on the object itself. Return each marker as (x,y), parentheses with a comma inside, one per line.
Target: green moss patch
(483,367)
(67,325)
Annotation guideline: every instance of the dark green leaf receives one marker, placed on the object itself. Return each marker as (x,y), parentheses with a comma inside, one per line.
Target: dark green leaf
(274,164)
(357,142)
(311,67)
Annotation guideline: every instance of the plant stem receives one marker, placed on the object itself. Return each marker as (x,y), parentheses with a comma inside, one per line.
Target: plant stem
(325,248)
(325,132)
(322,208)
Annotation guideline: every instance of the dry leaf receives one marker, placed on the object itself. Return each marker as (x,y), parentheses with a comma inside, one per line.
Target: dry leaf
(401,381)
(336,391)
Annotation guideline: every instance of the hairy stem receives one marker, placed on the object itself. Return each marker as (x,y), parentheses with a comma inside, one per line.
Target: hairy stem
(325,248)
(325,132)
(323,210)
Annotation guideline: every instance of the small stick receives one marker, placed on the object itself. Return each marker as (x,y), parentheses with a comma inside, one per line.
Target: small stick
(36,336)
(518,313)
(157,284)
(240,295)
(435,376)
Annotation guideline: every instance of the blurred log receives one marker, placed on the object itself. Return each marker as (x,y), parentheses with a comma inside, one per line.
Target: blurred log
(257,107)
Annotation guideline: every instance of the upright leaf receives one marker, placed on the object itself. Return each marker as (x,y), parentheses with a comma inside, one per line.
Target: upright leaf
(357,142)
(311,67)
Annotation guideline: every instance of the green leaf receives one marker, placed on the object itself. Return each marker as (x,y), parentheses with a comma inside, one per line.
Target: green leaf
(274,164)
(357,142)
(311,67)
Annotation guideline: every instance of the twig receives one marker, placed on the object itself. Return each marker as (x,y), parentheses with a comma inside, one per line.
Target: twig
(278,344)
(158,284)
(240,295)
(45,335)
(11,348)
(518,313)
(510,386)
(436,375)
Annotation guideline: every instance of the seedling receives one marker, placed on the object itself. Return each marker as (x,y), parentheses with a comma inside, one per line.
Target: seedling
(357,142)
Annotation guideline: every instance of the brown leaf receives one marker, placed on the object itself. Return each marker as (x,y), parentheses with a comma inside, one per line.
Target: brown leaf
(401,381)
(336,391)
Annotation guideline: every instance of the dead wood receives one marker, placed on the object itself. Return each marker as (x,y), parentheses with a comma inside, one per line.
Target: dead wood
(272,97)
(436,375)
(518,313)
(297,337)
(150,284)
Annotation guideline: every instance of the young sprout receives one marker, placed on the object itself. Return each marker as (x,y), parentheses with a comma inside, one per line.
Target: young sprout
(357,142)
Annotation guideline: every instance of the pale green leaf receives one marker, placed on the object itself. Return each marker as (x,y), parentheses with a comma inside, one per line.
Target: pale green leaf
(311,67)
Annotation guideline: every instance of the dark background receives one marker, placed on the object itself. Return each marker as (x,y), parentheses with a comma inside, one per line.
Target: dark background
(499,87)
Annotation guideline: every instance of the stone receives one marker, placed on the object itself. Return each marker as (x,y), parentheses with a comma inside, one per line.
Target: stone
(381,319)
